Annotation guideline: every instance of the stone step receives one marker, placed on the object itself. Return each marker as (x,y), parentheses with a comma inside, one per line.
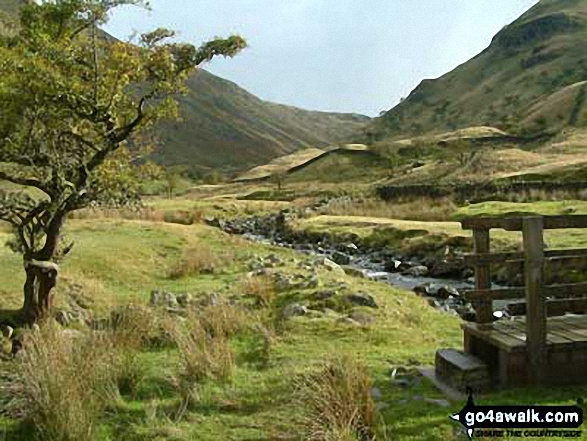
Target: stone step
(461,370)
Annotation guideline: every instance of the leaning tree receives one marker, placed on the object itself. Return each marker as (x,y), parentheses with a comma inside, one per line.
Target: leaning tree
(71,97)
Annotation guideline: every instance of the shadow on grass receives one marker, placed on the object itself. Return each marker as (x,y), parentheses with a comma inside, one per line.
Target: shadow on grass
(11,430)
(10,317)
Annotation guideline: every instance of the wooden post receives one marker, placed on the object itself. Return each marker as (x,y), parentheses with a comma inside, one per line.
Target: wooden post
(535,303)
(483,307)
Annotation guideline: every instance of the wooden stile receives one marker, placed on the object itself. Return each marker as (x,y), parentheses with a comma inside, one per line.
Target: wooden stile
(532,228)
(532,349)
(483,306)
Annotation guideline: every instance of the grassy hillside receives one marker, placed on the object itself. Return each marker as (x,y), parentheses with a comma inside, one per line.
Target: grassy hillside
(529,80)
(224,126)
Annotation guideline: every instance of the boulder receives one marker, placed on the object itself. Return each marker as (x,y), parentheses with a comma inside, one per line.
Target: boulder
(416,271)
(425,290)
(354,272)
(394,266)
(324,295)
(63,318)
(156,297)
(294,310)
(445,292)
(312,283)
(184,300)
(448,268)
(340,258)
(351,248)
(361,299)
(362,318)
(170,300)
(332,266)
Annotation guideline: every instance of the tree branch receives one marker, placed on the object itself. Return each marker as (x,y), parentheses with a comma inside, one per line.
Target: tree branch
(27,182)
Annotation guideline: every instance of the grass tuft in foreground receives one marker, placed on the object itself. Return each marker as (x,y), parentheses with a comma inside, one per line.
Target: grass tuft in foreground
(338,402)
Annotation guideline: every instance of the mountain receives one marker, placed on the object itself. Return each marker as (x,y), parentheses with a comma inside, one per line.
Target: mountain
(224,126)
(530,80)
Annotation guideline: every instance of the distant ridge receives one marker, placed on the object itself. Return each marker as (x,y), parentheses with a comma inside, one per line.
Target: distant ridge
(530,80)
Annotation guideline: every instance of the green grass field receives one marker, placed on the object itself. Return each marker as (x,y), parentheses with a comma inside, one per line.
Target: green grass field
(119,262)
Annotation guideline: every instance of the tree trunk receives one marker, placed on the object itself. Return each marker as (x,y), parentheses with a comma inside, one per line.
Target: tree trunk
(41,278)
(41,275)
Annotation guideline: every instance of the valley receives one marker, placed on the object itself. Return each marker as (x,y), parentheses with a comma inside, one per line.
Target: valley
(263,272)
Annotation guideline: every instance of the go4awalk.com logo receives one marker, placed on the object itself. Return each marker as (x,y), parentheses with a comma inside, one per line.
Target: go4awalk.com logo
(520,421)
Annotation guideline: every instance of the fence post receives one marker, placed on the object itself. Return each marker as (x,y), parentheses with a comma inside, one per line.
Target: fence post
(483,307)
(533,228)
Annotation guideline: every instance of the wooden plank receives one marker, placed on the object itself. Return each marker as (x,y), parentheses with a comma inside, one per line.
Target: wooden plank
(564,255)
(551,255)
(554,308)
(574,339)
(555,291)
(494,337)
(516,223)
(533,237)
(559,338)
(483,306)
(495,294)
(487,223)
(489,258)
(566,290)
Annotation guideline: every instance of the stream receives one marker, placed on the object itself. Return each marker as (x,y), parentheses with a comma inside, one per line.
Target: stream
(443,293)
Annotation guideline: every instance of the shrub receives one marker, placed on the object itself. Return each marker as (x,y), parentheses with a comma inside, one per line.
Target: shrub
(338,403)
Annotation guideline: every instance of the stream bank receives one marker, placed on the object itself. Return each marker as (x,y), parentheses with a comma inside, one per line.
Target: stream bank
(439,279)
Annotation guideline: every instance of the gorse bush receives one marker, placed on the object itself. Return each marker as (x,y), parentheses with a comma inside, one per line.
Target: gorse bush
(337,402)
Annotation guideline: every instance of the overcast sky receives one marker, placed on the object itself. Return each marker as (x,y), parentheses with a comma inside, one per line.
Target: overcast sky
(336,55)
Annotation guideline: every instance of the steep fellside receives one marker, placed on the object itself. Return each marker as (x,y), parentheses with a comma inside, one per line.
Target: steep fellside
(529,80)
(224,126)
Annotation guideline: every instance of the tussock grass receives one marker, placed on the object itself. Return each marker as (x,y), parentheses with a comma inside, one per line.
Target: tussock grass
(424,209)
(138,327)
(201,259)
(183,217)
(143,213)
(261,289)
(203,341)
(63,382)
(338,403)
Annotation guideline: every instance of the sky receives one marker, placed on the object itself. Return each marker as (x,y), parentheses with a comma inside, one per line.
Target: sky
(359,56)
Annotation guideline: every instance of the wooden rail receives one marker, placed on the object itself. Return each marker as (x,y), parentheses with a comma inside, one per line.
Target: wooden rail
(540,300)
